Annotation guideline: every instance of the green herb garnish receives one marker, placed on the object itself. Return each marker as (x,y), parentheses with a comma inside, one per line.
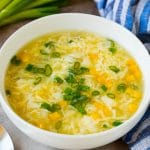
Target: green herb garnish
(8,92)
(55,55)
(43,52)
(70,41)
(34,69)
(95,93)
(111,95)
(122,87)
(37,80)
(58,80)
(76,99)
(112,47)
(105,126)
(48,70)
(76,65)
(51,108)
(15,61)
(70,78)
(117,123)
(114,69)
(104,88)
(49,44)
(83,87)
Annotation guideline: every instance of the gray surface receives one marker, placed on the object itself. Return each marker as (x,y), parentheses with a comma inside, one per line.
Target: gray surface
(21,141)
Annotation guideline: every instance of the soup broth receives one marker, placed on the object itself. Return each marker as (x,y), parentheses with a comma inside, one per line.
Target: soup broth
(74,82)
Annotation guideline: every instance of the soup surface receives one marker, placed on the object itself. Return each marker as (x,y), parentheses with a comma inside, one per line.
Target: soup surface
(74,82)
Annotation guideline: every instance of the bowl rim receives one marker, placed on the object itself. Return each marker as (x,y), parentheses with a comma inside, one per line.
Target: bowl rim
(76,136)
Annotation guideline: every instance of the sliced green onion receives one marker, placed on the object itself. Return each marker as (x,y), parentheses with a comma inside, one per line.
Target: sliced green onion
(112,49)
(49,44)
(105,126)
(122,87)
(114,69)
(70,79)
(58,80)
(8,92)
(70,41)
(37,80)
(55,55)
(43,52)
(51,108)
(117,123)
(81,81)
(111,95)
(76,65)
(48,70)
(104,88)
(83,88)
(15,61)
(95,93)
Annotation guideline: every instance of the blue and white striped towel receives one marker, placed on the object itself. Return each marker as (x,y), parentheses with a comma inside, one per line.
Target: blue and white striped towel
(132,14)
(135,16)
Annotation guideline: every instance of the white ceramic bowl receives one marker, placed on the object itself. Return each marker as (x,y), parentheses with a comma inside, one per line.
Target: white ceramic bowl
(84,22)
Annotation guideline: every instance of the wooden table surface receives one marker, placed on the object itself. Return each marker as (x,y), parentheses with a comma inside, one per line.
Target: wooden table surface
(83,6)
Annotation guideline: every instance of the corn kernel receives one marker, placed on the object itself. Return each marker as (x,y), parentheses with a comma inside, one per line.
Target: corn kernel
(54,116)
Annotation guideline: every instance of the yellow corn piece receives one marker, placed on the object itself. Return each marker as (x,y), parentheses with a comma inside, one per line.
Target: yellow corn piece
(43,92)
(101,77)
(133,93)
(93,71)
(93,57)
(24,57)
(132,107)
(131,62)
(63,104)
(129,77)
(101,106)
(109,83)
(95,115)
(54,116)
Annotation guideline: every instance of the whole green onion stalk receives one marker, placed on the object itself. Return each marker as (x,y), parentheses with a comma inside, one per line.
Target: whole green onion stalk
(30,14)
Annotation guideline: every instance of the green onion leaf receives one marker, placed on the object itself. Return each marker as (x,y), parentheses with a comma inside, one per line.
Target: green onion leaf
(83,87)
(95,93)
(70,41)
(114,69)
(117,123)
(76,65)
(122,87)
(70,79)
(104,88)
(112,43)
(37,80)
(112,49)
(111,95)
(55,55)
(105,126)
(15,61)
(8,92)
(49,44)
(48,70)
(51,108)
(58,80)
(43,52)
